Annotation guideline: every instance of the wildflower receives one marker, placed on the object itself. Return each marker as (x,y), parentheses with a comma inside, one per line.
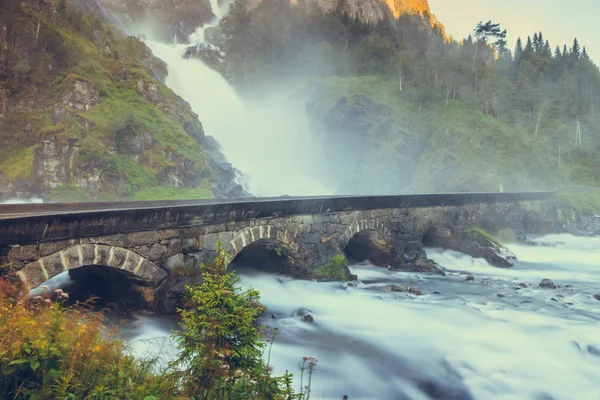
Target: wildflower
(58,291)
(221,355)
(306,387)
(267,340)
(48,301)
(252,382)
(37,298)
(305,358)
(65,295)
(44,288)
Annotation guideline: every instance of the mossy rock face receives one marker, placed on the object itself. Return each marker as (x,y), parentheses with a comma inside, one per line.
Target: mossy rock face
(478,243)
(89,120)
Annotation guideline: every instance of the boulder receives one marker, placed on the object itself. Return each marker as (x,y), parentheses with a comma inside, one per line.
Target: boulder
(400,288)
(479,244)
(415,291)
(168,296)
(82,96)
(597,297)
(469,278)
(547,284)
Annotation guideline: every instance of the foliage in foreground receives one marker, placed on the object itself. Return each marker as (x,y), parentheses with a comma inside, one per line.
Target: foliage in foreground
(50,351)
(221,344)
(334,270)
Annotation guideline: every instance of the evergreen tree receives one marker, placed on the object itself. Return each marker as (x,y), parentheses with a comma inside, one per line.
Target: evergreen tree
(584,54)
(576,50)
(519,49)
(529,50)
(557,53)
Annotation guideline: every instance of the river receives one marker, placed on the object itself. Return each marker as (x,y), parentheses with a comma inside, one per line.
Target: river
(464,343)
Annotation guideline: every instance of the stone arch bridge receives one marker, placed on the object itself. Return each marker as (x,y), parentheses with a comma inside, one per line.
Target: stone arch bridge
(148,241)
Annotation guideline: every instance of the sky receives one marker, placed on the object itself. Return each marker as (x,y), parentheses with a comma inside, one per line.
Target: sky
(559,20)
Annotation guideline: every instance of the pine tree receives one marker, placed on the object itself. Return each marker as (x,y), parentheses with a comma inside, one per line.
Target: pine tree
(519,50)
(584,54)
(576,50)
(557,53)
(547,51)
(529,46)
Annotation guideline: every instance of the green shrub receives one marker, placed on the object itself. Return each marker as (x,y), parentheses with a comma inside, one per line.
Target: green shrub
(48,351)
(334,270)
(221,347)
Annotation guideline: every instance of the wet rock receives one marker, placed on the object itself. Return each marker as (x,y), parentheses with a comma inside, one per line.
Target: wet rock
(553,299)
(400,288)
(523,285)
(500,295)
(437,292)
(352,277)
(469,278)
(597,297)
(307,318)
(303,315)
(415,291)
(547,284)
(593,350)
(274,316)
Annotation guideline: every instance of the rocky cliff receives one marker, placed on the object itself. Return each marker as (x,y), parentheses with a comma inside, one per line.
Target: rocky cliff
(169,19)
(84,115)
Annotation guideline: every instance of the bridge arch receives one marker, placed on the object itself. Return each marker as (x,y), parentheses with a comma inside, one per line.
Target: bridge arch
(127,261)
(274,248)
(362,225)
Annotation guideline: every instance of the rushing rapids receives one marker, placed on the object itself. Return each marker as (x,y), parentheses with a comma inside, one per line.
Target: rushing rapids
(496,337)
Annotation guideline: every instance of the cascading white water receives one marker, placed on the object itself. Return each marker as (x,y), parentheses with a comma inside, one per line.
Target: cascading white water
(267,140)
(463,343)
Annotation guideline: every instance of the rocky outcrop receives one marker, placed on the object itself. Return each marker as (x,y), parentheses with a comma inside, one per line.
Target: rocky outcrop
(469,240)
(171,19)
(95,119)
(212,57)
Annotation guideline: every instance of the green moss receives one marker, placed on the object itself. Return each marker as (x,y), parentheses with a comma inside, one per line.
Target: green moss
(473,231)
(16,161)
(334,270)
(169,193)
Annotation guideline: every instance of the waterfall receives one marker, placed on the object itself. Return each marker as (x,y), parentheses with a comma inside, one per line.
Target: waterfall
(268,140)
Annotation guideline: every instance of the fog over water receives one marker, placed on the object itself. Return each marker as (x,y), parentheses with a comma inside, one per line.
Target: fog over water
(463,343)
(268,140)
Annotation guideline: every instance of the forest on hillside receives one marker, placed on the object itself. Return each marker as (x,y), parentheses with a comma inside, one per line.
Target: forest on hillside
(530,113)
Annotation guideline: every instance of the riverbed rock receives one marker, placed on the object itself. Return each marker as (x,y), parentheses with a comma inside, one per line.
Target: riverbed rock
(597,297)
(547,284)
(500,295)
(469,278)
(400,288)
(479,244)
(523,285)
(415,291)
(307,318)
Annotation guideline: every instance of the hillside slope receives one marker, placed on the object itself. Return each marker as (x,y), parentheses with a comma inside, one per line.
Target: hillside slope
(83,114)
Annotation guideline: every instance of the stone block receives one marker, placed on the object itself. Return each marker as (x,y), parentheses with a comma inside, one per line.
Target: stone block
(71,256)
(192,232)
(47,248)
(167,234)
(102,255)
(174,262)
(27,252)
(157,252)
(215,228)
(34,274)
(150,272)
(210,241)
(54,265)
(111,240)
(117,257)
(143,251)
(174,247)
(147,238)
(190,245)
(88,254)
